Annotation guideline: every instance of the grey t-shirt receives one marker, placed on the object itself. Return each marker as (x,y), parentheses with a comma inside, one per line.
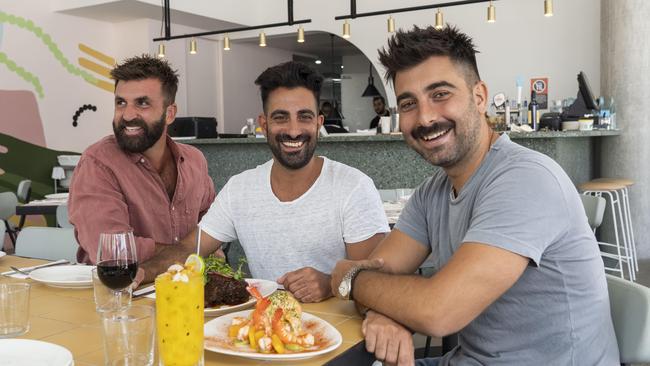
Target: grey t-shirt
(557,313)
(342,206)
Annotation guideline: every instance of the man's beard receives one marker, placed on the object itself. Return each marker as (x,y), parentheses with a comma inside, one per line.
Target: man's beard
(295,160)
(448,156)
(141,143)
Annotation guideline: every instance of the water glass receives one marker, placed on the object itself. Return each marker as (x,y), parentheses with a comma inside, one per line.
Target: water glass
(14,309)
(107,299)
(128,336)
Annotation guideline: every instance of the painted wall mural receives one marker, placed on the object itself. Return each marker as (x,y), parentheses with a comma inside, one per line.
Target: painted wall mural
(38,83)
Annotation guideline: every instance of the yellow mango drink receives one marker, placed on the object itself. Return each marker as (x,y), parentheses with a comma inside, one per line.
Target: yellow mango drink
(179,316)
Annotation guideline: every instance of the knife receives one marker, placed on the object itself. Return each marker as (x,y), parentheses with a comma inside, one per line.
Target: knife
(29,269)
(144,291)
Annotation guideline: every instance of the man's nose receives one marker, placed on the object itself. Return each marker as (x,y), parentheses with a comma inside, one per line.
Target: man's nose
(129,113)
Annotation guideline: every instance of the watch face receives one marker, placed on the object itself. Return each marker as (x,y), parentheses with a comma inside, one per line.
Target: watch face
(344,288)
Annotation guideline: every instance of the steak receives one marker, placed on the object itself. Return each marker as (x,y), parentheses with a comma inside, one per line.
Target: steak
(224,290)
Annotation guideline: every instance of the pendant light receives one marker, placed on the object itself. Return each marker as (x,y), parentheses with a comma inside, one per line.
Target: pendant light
(226,43)
(548,8)
(491,13)
(346,29)
(440,23)
(193,46)
(301,35)
(161,50)
(391,24)
(371,90)
(262,39)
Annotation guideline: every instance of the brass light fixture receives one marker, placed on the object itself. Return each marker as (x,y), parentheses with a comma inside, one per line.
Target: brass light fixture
(440,23)
(193,46)
(346,29)
(301,35)
(226,43)
(161,50)
(548,8)
(262,39)
(491,13)
(391,24)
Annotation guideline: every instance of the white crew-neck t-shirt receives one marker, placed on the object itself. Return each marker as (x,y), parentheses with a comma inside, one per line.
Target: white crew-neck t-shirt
(342,206)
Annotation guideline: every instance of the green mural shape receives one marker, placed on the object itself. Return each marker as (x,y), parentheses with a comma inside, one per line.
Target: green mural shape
(24,74)
(47,40)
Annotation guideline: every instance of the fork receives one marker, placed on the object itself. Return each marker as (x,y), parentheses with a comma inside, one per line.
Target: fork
(18,270)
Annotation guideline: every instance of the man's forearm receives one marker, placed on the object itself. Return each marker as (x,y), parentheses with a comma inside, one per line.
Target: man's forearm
(401,297)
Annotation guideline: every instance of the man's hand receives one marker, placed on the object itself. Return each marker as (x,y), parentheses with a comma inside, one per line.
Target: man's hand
(345,265)
(388,340)
(307,284)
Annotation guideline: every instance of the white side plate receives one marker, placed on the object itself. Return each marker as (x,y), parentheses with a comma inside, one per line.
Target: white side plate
(64,276)
(21,352)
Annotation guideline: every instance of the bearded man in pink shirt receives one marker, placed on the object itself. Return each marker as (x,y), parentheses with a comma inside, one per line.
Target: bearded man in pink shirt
(139,179)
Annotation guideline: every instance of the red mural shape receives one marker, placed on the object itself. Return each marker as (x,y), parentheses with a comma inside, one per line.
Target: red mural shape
(20,117)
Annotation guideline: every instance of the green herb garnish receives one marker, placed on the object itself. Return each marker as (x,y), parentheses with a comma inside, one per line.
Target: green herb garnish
(219,265)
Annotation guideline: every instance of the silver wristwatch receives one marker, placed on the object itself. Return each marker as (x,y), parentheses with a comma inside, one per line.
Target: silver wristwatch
(345,287)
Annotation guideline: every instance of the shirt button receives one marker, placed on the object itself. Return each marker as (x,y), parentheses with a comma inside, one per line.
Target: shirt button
(172,208)
(176,238)
(142,160)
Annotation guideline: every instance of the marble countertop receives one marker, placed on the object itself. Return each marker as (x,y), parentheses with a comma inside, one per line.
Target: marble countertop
(344,137)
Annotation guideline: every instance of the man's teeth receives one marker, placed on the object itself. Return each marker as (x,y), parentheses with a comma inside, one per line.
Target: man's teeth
(292,144)
(132,128)
(434,135)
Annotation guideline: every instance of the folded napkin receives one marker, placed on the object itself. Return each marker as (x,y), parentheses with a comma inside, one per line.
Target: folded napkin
(47,202)
(21,276)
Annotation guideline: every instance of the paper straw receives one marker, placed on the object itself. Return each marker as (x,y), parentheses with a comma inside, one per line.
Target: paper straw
(198,240)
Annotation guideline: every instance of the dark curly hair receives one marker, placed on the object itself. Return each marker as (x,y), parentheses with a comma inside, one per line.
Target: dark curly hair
(407,49)
(146,67)
(289,75)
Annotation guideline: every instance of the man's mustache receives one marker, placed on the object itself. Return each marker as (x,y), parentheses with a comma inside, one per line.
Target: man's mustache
(422,131)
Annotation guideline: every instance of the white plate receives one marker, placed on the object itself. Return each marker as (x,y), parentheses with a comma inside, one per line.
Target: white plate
(57,196)
(27,352)
(64,276)
(265,288)
(2,254)
(217,340)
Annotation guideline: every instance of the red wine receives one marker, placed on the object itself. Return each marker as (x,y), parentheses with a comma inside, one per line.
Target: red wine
(117,274)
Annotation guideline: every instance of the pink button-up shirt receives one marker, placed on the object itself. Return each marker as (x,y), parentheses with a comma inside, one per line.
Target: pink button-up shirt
(115,190)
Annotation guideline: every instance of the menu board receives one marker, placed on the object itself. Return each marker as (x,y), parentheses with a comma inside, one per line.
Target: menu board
(540,86)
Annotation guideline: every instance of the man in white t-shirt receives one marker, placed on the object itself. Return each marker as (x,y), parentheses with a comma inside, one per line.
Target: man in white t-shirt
(296,215)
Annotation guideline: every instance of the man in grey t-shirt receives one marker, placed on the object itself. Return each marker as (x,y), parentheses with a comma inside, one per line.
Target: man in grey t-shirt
(519,274)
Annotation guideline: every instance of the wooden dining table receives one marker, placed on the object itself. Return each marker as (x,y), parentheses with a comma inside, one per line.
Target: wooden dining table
(67,317)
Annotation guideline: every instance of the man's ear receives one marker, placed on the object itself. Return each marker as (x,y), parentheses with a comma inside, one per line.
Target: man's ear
(170,113)
(480,94)
(261,120)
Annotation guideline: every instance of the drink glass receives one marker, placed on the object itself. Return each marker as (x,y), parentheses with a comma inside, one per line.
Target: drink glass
(105,299)
(14,309)
(128,336)
(179,318)
(117,262)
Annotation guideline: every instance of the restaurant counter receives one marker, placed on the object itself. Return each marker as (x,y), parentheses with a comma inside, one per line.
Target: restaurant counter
(392,164)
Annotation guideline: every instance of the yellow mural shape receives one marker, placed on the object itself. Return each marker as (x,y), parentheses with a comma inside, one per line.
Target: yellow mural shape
(98,68)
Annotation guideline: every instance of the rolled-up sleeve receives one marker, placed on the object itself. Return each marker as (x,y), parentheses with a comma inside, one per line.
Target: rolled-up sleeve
(97,205)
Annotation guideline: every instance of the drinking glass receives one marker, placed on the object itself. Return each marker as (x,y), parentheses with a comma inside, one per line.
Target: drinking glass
(105,299)
(14,309)
(117,262)
(129,336)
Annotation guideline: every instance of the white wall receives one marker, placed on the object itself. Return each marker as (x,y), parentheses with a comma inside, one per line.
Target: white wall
(521,42)
(241,66)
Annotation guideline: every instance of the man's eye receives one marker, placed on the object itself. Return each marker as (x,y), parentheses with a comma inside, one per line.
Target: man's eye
(441,95)
(406,106)
(306,117)
(143,104)
(120,103)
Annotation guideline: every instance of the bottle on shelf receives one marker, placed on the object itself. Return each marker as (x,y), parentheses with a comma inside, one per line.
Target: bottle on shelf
(532,112)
